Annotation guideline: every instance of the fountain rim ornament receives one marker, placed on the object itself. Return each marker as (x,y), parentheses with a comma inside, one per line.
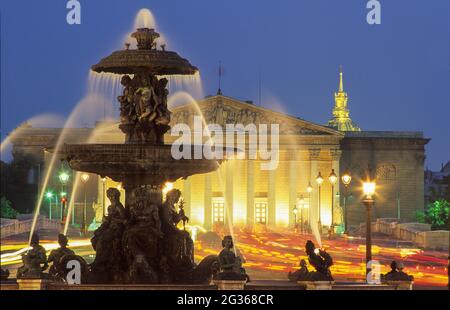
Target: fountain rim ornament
(147,57)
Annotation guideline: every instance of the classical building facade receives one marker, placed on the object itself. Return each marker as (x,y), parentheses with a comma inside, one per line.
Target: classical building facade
(241,193)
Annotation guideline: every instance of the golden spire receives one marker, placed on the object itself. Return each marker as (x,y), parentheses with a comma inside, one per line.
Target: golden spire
(341,80)
(341,115)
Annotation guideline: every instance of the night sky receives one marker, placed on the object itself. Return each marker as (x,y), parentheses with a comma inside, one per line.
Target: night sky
(397,74)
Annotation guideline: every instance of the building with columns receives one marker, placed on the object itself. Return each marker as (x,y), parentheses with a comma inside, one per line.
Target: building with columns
(241,193)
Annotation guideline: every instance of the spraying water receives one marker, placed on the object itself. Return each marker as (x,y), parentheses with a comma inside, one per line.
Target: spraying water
(47,120)
(92,137)
(85,109)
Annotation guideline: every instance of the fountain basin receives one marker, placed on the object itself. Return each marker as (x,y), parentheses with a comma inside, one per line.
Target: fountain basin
(135,164)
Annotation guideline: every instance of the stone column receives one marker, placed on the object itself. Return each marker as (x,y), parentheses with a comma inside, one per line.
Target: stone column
(293,164)
(271,197)
(314,207)
(338,212)
(187,196)
(208,202)
(250,193)
(229,192)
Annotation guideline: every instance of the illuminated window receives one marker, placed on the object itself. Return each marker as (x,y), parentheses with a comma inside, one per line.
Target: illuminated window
(218,212)
(261,213)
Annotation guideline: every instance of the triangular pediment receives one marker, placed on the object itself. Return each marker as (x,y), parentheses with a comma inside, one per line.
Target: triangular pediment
(224,110)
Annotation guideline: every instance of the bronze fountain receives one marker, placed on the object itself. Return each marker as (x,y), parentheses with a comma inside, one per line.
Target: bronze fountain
(139,242)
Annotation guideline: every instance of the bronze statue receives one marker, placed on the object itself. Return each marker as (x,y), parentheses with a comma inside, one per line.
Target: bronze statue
(230,265)
(107,240)
(301,274)
(178,246)
(321,261)
(396,273)
(4,274)
(143,108)
(127,100)
(142,238)
(34,261)
(57,269)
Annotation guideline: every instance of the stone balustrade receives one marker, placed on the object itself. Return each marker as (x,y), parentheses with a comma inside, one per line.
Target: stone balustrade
(14,227)
(418,233)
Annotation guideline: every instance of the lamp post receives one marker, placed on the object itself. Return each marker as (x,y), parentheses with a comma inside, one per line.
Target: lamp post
(369,191)
(346,179)
(302,202)
(332,178)
(63,179)
(84,178)
(103,197)
(49,196)
(319,181)
(295,210)
(309,190)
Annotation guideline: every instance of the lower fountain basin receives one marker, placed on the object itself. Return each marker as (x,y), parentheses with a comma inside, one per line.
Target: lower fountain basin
(136,164)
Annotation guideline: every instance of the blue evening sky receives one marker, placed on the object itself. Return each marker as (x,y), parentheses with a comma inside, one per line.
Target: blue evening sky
(397,74)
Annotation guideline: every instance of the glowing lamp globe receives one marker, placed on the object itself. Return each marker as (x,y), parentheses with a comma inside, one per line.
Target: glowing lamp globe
(346,179)
(369,189)
(64,177)
(332,177)
(319,179)
(309,188)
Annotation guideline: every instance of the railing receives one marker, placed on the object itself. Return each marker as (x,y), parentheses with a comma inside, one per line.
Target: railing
(15,227)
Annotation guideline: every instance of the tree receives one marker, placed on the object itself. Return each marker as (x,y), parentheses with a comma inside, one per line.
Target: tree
(19,181)
(7,211)
(435,214)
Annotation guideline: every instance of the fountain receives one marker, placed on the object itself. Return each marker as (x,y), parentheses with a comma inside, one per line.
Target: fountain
(140,242)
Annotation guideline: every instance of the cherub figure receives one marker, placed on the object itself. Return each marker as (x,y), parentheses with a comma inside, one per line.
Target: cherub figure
(32,260)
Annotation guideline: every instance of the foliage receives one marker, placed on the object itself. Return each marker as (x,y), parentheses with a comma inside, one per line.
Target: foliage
(19,181)
(7,211)
(436,214)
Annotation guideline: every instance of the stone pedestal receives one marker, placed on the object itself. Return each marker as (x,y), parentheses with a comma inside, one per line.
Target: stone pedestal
(32,284)
(230,285)
(401,285)
(317,285)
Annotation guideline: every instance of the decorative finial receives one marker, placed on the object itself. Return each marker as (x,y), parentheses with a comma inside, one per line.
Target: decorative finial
(127,46)
(219,90)
(341,79)
(163,47)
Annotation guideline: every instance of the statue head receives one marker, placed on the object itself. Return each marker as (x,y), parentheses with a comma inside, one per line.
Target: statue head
(34,239)
(163,83)
(62,240)
(145,94)
(141,196)
(126,80)
(309,247)
(302,263)
(113,194)
(173,196)
(227,242)
(394,265)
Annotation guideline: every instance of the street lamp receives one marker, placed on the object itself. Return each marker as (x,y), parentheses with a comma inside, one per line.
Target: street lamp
(103,198)
(346,179)
(49,196)
(295,211)
(302,202)
(319,181)
(63,178)
(332,178)
(84,178)
(369,191)
(309,189)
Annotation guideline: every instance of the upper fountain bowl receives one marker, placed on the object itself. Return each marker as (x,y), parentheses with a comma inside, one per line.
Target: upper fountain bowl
(146,57)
